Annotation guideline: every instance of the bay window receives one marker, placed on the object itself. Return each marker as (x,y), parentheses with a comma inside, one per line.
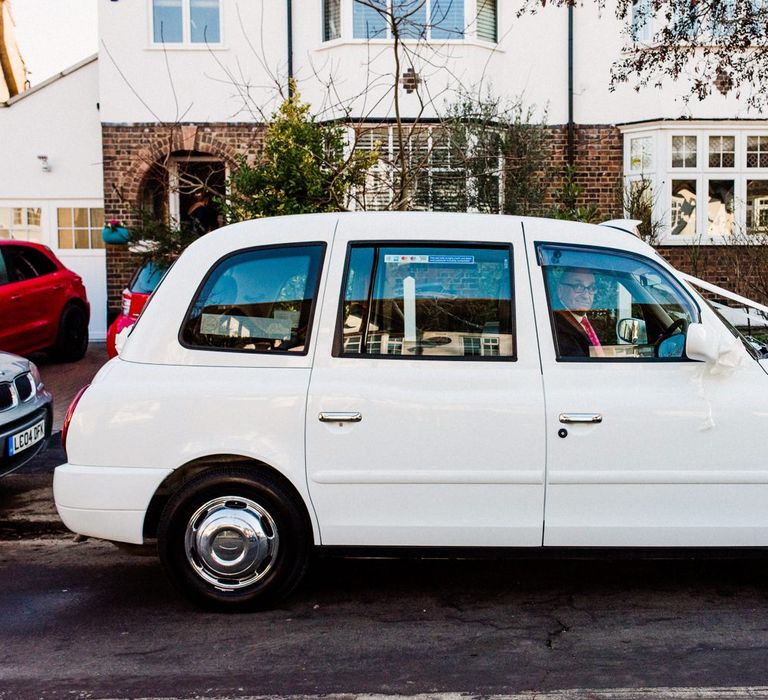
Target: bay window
(431,20)
(709,184)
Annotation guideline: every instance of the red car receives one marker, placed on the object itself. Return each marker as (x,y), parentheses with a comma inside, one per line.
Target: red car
(43,305)
(135,296)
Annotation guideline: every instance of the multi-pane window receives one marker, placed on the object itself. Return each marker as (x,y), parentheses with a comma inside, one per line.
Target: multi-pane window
(438,301)
(487,20)
(376,192)
(683,208)
(757,151)
(80,227)
(441,180)
(712,199)
(446,19)
(331,19)
(757,206)
(411,19)
(21,223)
(186,21)
(437,174)
(641,21)
(259,300)
(683,151)
(720,208)
(369,19)
(487,347)
(641,154)
(722,151)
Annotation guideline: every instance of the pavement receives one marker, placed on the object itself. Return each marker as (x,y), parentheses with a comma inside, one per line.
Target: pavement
(27,509)
(65,379)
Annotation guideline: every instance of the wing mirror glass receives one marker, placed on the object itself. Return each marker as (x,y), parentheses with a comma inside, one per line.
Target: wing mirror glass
(632,330)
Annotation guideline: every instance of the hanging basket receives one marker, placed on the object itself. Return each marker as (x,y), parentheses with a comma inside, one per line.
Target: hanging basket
(115,236)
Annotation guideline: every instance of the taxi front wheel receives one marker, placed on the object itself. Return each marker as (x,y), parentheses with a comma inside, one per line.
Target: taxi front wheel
(231,539)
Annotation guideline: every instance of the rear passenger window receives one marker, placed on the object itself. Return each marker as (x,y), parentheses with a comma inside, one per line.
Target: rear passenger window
(27,263)
(259,300)
(415,301)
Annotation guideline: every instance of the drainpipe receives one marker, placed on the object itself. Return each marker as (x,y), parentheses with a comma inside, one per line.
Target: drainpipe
(571,152)
(290,47)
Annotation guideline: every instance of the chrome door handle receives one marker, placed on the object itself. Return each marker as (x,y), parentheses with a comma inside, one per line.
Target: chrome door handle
(581,418)
(348,417)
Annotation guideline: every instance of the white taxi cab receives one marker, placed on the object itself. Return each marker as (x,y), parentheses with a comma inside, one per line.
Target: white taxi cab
(416,380)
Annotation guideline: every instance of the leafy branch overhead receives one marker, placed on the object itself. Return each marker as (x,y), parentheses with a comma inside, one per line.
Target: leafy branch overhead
(710,45)
(304,167)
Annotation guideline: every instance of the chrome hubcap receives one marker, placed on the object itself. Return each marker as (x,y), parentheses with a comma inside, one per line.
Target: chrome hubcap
(231,542)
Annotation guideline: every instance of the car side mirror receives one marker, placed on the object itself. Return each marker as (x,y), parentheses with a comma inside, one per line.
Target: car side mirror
(632,330)
(700,344)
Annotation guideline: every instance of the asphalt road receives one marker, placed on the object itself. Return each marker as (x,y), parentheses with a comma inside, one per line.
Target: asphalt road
(86,619)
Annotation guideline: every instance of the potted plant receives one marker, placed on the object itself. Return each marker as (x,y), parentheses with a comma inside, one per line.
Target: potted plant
(115,233)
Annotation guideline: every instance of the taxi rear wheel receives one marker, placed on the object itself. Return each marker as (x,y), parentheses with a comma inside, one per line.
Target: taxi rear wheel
(232,540)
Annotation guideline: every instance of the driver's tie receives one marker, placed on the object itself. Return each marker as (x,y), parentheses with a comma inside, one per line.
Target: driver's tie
(594,341)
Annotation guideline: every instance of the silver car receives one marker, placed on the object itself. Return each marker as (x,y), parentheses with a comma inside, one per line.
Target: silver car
(26,412)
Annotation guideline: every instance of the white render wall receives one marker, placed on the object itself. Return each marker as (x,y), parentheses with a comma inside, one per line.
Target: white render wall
(141,82)
(235,81)
(60,119)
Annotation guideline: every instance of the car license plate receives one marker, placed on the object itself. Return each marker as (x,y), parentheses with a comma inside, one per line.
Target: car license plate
(26,438)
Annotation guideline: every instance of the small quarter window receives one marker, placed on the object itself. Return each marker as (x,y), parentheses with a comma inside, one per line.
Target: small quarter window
(441,301)
(259,300)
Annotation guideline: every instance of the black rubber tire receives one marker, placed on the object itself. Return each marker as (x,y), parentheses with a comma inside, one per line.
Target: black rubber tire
(291,523)
(72,339)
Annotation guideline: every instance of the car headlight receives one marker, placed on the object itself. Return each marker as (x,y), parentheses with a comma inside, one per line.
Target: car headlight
(35,372)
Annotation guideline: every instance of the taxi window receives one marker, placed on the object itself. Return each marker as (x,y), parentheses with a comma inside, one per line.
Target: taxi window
(415,301)
(258,300)
(606,305)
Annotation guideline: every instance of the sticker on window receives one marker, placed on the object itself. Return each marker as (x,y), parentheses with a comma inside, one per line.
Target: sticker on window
(431,259)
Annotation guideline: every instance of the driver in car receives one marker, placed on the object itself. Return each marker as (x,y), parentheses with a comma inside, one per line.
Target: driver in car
(575,335)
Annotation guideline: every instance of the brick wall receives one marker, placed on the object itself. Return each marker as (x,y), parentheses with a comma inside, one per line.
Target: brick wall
(742,269)
(130,150)
(599,166)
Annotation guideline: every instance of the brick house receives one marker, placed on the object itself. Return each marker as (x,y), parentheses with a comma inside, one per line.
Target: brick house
(185,86)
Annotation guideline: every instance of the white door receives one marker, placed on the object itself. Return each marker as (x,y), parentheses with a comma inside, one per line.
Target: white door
(91,265)
(425,409)
(645,447)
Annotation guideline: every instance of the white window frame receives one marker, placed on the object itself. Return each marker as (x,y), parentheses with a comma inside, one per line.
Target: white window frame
(737,157)
(644,35)
(384,174)
(323,6)
(470,26)
(629,167)
(24,226)
(684,168)
(78,204)
(186,42)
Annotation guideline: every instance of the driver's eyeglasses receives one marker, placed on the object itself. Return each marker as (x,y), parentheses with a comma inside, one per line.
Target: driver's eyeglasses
(580,288)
